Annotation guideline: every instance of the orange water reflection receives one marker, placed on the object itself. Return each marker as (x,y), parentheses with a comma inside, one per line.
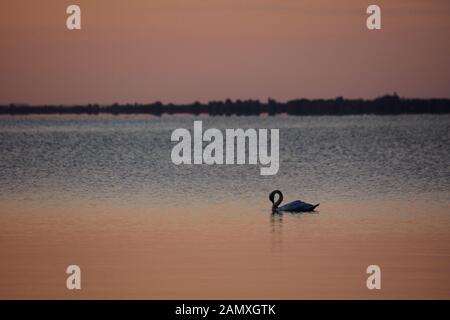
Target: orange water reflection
(229,250)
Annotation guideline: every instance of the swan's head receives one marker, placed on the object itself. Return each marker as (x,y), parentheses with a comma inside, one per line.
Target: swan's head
(272,195)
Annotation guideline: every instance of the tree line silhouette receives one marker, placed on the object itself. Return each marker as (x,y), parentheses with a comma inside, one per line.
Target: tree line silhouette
(388,104)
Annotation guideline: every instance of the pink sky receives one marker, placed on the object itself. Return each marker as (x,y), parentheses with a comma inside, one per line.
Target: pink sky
(187,50)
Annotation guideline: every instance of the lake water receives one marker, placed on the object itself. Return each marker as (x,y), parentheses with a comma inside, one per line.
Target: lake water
(102,192)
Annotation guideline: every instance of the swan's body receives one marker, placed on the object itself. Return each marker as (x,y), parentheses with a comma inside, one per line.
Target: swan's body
(294,206)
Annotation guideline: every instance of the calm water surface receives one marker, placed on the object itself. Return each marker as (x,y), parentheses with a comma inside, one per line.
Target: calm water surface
(103,193)
(321,158)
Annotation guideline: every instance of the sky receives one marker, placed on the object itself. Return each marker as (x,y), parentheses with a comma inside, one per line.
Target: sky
(180,51)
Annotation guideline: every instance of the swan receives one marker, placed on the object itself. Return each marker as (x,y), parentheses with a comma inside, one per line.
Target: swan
(294,206)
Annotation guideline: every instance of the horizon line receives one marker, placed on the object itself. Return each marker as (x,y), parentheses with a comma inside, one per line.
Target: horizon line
(388,104)
(226,100)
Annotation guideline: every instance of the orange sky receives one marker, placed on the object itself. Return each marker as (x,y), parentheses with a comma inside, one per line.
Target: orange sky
(187,50)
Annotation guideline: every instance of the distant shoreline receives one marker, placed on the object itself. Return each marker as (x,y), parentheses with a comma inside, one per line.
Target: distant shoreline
(385,105)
